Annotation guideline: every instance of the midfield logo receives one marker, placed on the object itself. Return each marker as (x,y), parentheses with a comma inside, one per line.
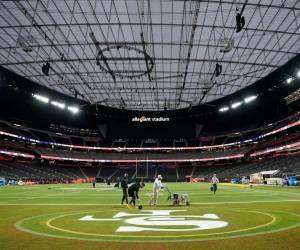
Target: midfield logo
(159,220)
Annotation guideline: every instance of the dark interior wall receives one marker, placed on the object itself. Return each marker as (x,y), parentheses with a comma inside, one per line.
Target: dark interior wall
(262,111)
(144,130)
(17,103)
(36,114)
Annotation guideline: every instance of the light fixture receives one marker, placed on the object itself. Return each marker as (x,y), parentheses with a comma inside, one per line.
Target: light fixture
(41,98)
(46,69)
(218,69)
(240,22)
(250,98)
(58,104)
(236,104)
(224,109)
(289,80)
(73,109)
(298,73)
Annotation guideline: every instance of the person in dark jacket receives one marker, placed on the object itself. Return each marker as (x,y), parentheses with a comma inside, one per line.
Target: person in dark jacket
(124,186)
(133,191)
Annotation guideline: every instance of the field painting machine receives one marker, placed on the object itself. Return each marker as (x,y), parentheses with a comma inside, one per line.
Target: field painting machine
(177,199)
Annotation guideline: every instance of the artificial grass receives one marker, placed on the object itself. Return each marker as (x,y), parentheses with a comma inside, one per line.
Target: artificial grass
(249,212)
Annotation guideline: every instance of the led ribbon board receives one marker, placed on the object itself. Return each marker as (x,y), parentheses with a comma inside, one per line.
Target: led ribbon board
(48,157)
(276,149)
(118,149)
(10,153)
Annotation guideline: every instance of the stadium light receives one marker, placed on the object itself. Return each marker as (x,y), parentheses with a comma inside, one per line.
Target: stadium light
(236,104)
(41,98)
(224,109)
(58,104)
(73,109)
(289,80)
(250,98)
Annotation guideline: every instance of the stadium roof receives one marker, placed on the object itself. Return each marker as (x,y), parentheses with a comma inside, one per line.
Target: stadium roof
(148,55)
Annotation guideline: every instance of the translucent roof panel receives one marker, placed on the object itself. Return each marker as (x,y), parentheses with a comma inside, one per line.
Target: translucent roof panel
(148,55)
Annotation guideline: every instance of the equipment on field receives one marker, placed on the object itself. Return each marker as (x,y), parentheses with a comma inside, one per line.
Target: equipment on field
(177,199)
(2,182)
(139,204)
(293,181)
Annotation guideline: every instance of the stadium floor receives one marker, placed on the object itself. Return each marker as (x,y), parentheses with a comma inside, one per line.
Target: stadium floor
(80,217)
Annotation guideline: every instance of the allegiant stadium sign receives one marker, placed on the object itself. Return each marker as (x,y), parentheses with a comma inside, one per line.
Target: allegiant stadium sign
(150,119)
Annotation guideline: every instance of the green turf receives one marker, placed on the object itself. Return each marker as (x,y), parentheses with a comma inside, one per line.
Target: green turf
(47,217)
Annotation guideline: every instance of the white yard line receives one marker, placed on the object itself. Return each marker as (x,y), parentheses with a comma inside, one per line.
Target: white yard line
(117,204)
(243,202)
(24,199)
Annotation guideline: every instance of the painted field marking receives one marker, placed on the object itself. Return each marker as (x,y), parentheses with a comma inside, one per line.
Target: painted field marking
(48,223)
(19,198)
(161,218)
(17,225)
(24,199)
(78,188)
(115,239)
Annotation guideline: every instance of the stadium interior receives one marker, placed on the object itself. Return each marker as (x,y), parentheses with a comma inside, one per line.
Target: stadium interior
(93,89)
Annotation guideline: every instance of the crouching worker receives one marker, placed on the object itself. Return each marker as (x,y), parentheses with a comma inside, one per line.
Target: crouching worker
(133,191)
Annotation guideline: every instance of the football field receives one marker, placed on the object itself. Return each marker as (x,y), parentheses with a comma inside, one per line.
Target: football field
(67,216)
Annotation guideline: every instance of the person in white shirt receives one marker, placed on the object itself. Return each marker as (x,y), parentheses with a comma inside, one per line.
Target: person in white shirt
(214,181)
(157,185)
